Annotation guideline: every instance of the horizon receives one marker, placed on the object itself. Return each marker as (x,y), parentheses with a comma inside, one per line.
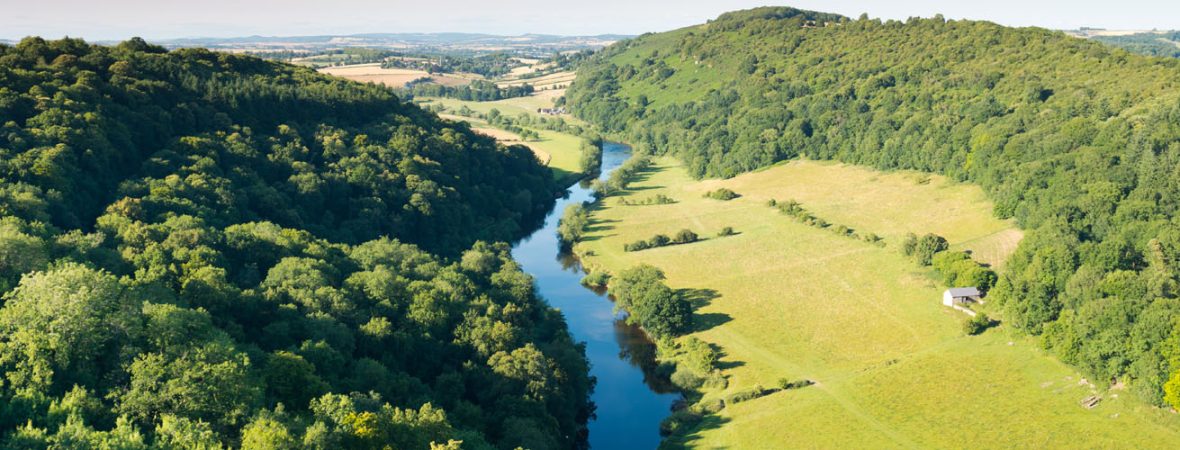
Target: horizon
(123,19)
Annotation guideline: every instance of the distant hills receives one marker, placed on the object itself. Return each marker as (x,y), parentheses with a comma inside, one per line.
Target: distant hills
(528,44)
(1146,42)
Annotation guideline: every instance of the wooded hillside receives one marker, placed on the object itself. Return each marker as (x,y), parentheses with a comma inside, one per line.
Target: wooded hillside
(1078,141)
(200,249)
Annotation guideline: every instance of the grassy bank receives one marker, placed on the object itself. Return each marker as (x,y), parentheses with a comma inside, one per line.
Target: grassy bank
(783,300)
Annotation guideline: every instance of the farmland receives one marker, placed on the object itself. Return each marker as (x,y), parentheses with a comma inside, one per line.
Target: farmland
(374,73)
(892,367)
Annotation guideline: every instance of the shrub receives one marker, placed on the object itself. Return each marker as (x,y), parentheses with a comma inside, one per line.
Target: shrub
(659,240)
(596,278)
(679,420)
(727,231)
(786,384)
(977,324)
(684,236)
(636,246)
(722,194)
(686,378)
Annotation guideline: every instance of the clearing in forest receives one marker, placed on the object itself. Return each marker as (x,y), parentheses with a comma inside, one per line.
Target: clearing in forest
(893,367)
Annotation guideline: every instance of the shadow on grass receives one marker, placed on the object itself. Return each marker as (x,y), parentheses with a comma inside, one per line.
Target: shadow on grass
(691,437)
(700,298)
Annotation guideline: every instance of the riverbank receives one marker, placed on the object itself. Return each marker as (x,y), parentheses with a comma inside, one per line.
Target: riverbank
(783,301)
(630,402)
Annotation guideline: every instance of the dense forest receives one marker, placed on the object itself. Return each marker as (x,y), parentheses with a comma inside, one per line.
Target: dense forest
(200,250)
(1078,141)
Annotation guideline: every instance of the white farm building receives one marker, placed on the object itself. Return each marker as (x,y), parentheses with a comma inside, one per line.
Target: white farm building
(958,297)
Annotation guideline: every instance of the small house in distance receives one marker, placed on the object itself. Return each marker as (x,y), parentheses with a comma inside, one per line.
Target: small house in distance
(958,297)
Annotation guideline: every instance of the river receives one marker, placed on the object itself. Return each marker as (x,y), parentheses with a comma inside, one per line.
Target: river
(630,403)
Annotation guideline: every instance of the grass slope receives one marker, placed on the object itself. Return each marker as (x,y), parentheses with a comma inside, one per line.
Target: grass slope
(784,300)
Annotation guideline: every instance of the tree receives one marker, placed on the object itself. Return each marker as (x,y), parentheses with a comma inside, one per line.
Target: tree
(685,236)
(64,327)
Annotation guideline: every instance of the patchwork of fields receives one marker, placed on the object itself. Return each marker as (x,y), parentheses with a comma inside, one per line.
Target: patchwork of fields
(892,366)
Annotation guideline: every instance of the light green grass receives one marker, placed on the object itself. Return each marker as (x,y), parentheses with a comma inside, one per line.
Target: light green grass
(892,366)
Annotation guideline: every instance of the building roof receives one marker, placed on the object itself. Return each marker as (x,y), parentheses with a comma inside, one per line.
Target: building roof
(964,292)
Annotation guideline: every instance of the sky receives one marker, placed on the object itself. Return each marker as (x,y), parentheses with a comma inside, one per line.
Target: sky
(163,19)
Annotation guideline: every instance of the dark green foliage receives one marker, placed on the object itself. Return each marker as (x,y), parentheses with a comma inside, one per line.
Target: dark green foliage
(650,303)
(786,384)
(490,65)
(573,223)
(684,236)
(923,249)
(752,393)
(622,176)
(201,240)
(658,199)
(977,324)
(726,231)
(477,90)
(1076,141)
(722,194)
(596,279)
(590,162)
(959,270)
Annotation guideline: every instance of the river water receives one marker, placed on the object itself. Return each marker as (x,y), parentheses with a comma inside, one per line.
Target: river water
(631,403)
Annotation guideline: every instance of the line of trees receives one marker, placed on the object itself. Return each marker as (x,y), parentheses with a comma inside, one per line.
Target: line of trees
(476,90)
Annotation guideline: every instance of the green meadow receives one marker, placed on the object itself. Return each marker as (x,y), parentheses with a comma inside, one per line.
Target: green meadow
(892,366)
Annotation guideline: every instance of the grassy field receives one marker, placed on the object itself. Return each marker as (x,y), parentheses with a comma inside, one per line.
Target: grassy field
(892,366)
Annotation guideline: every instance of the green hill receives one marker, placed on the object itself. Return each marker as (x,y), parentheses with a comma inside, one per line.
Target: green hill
(1079,142)
(200,249)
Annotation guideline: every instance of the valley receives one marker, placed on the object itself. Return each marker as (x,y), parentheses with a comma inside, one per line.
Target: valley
(891,365)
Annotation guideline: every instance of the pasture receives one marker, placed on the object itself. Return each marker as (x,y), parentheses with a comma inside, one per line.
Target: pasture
(892,367)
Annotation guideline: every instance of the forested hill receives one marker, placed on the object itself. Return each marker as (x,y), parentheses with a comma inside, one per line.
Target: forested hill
(200,249)
(1078,141)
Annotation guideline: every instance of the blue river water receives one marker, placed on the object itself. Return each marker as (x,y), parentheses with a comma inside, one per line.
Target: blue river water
(630,403)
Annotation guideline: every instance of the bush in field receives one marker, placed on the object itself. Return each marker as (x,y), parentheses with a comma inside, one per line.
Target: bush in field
(977,324)
(924,248)
(723,194)
(726,231)
(684,236)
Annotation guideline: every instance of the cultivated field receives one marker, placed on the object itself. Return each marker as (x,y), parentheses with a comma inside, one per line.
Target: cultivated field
(557,80)
(892,367)
(374,73)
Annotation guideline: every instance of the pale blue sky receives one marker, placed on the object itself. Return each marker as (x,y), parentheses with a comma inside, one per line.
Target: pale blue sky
(118,19)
